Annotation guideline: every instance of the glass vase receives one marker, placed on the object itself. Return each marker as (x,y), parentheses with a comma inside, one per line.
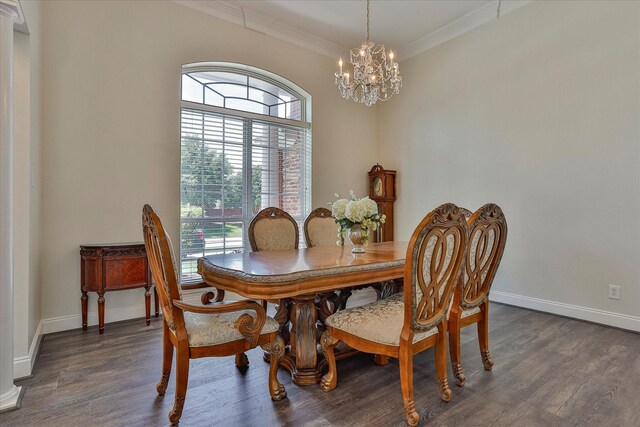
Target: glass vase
(357,237)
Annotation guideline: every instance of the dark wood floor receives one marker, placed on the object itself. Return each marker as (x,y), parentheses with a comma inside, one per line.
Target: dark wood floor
(549,371)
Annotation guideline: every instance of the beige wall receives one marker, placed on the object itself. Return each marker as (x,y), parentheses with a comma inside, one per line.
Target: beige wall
(110,126)
(540,113)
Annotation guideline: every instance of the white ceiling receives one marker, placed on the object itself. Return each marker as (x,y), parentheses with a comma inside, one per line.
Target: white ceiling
(332,27)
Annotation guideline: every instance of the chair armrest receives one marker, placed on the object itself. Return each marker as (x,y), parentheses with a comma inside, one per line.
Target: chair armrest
(195,285)
(246,324)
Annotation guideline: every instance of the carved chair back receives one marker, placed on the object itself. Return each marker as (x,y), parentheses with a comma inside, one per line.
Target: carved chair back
(434,257)
(487,238)
(163,266)
(273,229)
(320,228)
(466,212)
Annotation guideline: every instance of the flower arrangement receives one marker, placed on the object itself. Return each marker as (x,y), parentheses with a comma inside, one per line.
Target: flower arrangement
(356,212)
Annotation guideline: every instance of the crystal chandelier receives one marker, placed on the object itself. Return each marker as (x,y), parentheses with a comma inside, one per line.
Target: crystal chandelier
(373,77)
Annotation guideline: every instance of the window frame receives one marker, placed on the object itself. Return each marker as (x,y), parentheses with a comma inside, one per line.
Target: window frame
(248,118)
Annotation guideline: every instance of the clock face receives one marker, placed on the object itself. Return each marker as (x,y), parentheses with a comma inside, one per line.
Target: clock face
(377,186)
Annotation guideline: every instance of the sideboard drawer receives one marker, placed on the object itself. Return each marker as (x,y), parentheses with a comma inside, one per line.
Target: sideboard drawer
(125,272)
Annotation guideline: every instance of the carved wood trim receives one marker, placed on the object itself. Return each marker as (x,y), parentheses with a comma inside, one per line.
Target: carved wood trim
(109,252)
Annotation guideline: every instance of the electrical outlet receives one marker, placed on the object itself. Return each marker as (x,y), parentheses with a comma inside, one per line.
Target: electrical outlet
(614,291)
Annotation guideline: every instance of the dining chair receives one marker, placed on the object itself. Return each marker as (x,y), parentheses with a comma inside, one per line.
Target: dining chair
(487,238)
(273,229)
(320,228)
(408,323)
(198,330)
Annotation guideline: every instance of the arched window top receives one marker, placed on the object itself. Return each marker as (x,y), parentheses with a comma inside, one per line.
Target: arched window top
(244,88)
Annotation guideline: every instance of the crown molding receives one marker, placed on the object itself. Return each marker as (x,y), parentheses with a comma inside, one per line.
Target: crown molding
(470,21)
(233,13)
(253,21)
(13,10)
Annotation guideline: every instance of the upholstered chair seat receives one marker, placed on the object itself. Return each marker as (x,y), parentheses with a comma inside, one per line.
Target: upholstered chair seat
(380,321)
(466,313)
(212,329)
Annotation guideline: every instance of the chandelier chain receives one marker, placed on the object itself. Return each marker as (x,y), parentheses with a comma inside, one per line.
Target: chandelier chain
(368,20)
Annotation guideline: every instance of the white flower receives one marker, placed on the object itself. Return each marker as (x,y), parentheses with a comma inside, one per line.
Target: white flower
(338,209)
(370,206)
(337,195)
(356,211)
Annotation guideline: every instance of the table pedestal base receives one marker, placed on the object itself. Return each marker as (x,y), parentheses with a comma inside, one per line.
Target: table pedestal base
(311,376)
(301,322)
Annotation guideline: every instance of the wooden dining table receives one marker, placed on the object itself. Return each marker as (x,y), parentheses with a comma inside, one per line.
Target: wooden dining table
(301,280)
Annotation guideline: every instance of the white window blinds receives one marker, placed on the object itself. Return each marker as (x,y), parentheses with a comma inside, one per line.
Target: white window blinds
(234,164)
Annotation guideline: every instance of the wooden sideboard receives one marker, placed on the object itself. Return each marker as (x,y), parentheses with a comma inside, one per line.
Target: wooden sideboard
(114,267)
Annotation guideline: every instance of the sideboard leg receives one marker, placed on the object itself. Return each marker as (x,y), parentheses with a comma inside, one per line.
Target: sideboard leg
(147,304)
(101,312)
(84,300)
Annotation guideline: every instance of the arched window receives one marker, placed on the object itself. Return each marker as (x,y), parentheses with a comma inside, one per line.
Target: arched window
(245,146)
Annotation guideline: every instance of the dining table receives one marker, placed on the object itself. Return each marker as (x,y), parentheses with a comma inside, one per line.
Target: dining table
(305,283)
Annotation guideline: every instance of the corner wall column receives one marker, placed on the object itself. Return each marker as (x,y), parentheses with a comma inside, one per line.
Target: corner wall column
(10,13)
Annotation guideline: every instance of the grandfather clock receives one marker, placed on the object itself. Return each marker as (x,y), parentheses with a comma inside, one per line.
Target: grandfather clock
(382,189)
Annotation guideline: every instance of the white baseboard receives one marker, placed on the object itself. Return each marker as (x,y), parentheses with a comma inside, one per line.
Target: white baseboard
(11,399)
(74,321)
(23,365)
(618,320)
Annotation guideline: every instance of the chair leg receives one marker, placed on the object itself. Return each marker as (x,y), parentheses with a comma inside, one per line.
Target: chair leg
(483,336)
(328,343)
(454,349)
(242,361)
(381,360)
(182,379)
(441,363)
(276,351)
(406,383)
(167,360)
